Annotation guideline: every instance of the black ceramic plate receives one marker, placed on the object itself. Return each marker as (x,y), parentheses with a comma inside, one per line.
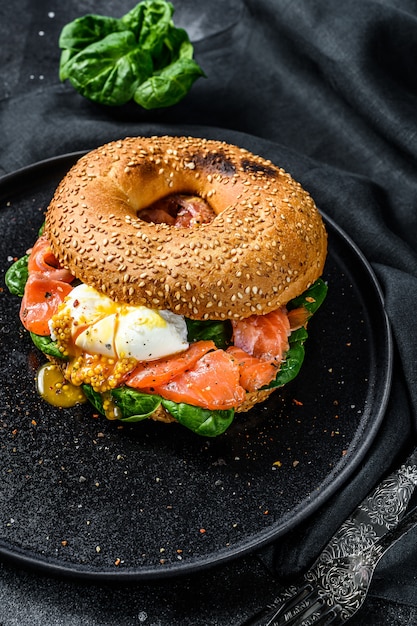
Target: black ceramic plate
(84,496)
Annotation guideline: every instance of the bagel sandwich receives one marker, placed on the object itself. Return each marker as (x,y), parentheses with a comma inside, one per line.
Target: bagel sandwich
(173,279)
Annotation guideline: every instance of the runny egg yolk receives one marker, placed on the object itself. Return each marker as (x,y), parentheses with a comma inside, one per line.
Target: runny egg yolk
(103,340)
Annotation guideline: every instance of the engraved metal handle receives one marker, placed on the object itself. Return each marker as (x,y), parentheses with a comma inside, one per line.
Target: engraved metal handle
(345,567)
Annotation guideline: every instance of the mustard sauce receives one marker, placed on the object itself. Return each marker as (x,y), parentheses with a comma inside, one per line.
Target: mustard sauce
(111,410)
(55,389)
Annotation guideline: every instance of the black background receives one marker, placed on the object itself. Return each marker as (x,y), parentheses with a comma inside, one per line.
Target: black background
(328,91)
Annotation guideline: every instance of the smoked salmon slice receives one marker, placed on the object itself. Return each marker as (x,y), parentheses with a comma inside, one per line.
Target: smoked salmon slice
(253,373)
(298,317)
(40,302)
(45,289)
(220,379)
(212,384)
(41,259)
(263,336)
(160,372)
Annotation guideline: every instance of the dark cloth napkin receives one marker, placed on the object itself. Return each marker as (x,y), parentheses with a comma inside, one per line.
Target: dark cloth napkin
(326,89)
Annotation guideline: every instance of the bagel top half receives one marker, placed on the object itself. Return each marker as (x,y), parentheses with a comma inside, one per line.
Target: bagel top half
(265,246)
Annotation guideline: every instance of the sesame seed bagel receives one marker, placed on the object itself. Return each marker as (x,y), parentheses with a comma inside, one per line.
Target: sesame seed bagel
(266,244)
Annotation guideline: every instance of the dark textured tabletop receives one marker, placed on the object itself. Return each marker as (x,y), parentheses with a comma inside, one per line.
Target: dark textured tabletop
(328,91)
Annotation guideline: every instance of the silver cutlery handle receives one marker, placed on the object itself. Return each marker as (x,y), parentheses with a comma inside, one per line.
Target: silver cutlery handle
(385,515)
(378,514)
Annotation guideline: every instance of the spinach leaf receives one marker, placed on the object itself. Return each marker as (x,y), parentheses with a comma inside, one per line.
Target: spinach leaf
(110,71)
(140,56)
(201,421)
(290,367)
(170,84)
(81,33)
(47,346)
(150,21)
(299,335)
(218,331)
(134,405)
(94,397)
(312,298)
(16,276)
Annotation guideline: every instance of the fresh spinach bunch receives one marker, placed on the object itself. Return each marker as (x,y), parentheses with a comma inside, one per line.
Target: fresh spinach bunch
(140,56)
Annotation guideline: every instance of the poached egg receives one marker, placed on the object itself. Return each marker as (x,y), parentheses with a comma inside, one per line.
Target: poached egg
(95,324)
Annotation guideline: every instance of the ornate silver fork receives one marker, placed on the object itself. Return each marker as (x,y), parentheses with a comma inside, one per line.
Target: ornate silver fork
(335,587)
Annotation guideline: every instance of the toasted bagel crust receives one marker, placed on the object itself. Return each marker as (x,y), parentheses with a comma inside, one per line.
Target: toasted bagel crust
(265,246)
